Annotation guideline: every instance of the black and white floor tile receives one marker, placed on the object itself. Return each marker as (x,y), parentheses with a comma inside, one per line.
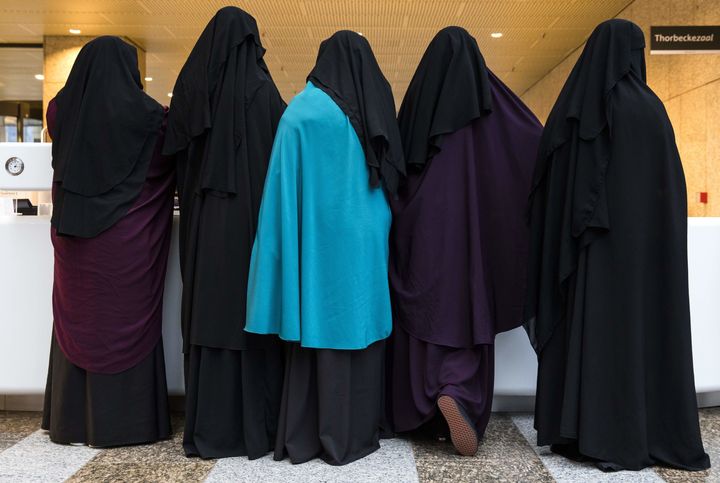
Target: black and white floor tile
(507,454)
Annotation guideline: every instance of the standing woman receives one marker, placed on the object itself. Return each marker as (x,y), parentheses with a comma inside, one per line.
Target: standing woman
(318,275)
(459,240)
(221,125)
(110,228)
(608,310)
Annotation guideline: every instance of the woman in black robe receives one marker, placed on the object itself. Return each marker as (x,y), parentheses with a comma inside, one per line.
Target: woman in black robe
(222,121)
(607,309)
(111,224)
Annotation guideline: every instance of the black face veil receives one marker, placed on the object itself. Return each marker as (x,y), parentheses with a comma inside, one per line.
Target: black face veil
(103,138)
(449,89)
(347,71)
(223,69)
(582,115)
(613,51)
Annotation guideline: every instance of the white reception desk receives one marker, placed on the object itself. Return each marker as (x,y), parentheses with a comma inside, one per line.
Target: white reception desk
(26,273)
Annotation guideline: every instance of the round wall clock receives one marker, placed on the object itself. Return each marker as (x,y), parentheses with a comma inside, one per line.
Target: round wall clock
(14,166)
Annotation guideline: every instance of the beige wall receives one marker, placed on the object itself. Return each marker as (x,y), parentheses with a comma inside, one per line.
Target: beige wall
(689,85)
(59,55)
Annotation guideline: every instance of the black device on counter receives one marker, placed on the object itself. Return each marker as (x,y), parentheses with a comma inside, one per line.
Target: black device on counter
(25,207)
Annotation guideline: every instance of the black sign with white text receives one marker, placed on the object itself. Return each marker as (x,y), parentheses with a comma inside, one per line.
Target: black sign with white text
(681,40)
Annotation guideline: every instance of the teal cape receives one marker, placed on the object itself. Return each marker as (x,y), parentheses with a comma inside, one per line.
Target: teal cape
(319,268)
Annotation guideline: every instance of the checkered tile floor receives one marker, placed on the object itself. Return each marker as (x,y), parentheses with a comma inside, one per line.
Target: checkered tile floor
(507,454)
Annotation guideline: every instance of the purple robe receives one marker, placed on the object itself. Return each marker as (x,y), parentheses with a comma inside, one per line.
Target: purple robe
(108,290)
(459,247)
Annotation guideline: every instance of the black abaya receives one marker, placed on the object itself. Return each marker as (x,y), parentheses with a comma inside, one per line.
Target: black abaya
(221,125)
(105,410)
(608,309)
(332,404)
(240,389)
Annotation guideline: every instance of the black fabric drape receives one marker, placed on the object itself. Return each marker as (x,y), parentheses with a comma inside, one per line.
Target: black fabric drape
(332,404)
(608,304)
(233,403)
(582,116)
(432,106)
(221,125)
(222,121)
(106,410)
(346,69)
(224,72)
(104,135)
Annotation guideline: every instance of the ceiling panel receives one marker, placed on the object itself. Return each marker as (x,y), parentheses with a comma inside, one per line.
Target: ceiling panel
(18,82)
(537,34)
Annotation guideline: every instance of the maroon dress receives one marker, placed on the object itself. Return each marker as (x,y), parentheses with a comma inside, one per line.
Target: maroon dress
(106,382)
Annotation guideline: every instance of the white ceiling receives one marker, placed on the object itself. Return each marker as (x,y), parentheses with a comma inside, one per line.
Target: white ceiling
(537,34)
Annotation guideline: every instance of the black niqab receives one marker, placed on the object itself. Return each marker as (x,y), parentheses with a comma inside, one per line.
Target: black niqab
(613,50)
(346,69)
(224,68)
(584,110)
(608,308)
(222,122)
(104,134)
(433,105)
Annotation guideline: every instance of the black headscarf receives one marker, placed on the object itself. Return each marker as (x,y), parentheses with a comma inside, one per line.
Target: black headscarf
(347,71)
(614,49)
(223,69)
(450,88)
(103,138)
(568,205)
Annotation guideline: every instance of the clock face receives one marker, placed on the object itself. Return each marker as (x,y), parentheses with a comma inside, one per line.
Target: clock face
(14,166)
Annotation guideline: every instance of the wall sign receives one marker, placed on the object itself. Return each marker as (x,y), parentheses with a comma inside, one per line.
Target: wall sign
(685,40)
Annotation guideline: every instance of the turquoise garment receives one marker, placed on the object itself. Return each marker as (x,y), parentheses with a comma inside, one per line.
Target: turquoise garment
(319,268)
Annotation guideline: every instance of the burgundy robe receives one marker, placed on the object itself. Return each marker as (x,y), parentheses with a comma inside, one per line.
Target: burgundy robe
(108,290)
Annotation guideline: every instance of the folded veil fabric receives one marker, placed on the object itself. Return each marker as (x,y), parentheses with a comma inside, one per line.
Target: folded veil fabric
(221,71)
(347,71)
(584,111)
(104,135)
(432,106)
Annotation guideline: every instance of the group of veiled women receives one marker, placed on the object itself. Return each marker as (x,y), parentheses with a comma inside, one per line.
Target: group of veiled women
(345,271)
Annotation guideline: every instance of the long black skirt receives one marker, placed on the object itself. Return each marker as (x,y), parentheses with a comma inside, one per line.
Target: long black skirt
(232,401)
(332,404)
(105,410)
